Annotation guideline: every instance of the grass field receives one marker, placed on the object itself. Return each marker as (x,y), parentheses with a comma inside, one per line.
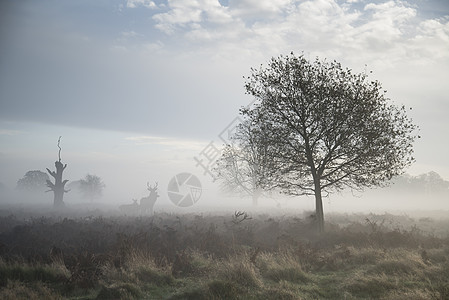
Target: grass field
(223,256)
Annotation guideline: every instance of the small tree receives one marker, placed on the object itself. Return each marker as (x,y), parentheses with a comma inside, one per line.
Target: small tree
(241,166)
(33,181)
(431,183)
(58,187)
(328,128)
(427,184)
(91,187)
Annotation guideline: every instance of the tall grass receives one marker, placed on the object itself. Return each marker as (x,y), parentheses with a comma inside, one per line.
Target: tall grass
(240,270)
(197,257)
(17,290)
(52,274)
(280,266)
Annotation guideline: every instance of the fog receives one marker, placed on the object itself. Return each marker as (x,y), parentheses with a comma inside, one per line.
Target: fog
(127,161)
(114,115)
(138,89)
(126,180)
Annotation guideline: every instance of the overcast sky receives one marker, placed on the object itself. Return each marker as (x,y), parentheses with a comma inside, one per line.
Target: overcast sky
(138,88)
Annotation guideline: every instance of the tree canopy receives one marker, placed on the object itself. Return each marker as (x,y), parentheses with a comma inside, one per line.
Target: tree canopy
(241,166)
(328,128)
(33,181)
(91,186)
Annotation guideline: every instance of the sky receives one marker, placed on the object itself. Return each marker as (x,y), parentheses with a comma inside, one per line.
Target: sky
(138,88)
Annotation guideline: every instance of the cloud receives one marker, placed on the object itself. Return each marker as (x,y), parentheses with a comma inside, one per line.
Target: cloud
(432,39)
(10,132)
(379,33)
(136,3)
(130,34)
(186,14)
(183,144)
(259,8)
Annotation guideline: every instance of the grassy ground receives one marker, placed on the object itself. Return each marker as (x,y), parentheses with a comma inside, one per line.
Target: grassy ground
(221,257)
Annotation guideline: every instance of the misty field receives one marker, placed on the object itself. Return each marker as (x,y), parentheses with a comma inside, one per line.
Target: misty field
(222,256)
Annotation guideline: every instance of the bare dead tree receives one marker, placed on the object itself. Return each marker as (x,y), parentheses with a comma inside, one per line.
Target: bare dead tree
(58,187)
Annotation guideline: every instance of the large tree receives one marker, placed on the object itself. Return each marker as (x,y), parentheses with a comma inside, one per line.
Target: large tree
(328,128)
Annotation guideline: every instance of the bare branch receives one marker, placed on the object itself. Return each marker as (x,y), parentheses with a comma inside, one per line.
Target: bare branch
(59,154)
(53,174)
(50,185)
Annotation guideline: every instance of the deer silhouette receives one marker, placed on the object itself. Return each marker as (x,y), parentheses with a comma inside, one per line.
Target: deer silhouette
(130,209)
(147,203)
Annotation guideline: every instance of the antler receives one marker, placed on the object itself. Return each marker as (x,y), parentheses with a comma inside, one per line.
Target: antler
(152,188)
(240,216)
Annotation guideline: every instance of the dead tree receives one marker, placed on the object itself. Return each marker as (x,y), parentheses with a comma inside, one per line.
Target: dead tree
(58,186)
(147,203)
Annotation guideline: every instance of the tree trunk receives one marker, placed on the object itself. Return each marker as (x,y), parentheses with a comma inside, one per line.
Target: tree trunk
(58,201)
(319,208)
(256,195)
(58,187)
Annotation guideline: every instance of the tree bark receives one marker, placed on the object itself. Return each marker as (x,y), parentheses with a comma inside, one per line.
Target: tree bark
(58,187)
(256,195)
(319,208)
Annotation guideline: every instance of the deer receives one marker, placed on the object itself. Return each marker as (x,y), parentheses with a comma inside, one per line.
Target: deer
(130,209)
(147,203)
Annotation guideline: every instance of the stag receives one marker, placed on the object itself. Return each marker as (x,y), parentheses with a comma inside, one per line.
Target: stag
(147,203)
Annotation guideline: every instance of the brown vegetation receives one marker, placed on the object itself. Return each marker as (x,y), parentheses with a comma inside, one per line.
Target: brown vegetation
(170,256)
